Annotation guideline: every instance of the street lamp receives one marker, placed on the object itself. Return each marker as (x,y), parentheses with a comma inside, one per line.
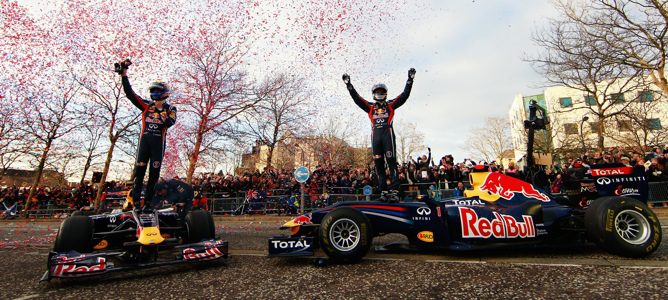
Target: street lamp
(582,140)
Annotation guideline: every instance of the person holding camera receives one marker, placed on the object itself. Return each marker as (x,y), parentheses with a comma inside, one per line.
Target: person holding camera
(381,115)
(156,117)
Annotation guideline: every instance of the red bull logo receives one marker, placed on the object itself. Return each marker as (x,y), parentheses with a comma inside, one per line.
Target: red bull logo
(301,220)
(73,269)
(501,227)
(506,187)
(207,254)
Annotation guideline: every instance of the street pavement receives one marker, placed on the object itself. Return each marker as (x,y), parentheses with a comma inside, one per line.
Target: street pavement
(536,273)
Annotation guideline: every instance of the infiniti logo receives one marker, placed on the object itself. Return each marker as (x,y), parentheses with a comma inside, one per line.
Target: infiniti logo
(603,180)
(423,211)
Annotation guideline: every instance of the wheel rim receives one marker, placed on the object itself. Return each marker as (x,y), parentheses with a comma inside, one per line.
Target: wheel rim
(344,234)
(632,227)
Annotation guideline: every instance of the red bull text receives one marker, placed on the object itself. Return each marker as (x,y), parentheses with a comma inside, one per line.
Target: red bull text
(502,226)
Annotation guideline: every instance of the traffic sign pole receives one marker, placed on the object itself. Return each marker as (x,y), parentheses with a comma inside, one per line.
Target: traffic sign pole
(301,206)
(301,175)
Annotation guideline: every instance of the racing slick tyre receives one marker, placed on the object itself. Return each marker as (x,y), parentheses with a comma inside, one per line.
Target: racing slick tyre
(75,233)
(345,235)
(623,226)
(200,226)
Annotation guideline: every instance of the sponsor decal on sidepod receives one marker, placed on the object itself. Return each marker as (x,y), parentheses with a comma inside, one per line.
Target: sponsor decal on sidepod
(507,186)
(426,236)
(502,226)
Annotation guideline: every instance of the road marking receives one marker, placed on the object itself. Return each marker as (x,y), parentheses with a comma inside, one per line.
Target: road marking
(29,297)
(643,267)
(547,265)
(456,261)
(385,259)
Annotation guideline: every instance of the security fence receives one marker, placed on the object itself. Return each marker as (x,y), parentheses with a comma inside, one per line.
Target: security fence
(280,203)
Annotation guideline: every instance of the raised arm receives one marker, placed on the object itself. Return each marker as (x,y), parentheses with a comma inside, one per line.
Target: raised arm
(171,117)
(363,104)
(136,100)
(401,99)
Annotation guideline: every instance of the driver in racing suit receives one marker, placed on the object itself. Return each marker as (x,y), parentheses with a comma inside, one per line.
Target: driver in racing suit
(156,117)
(381,115)
(176,193)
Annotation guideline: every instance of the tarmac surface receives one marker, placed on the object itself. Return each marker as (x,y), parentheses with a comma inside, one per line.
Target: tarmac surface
(536,273)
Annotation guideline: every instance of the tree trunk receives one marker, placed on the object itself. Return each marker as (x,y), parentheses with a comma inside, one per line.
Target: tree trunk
(192,161)
(86,167)
(601,133)
(105,171)
(270,156)
(38,176)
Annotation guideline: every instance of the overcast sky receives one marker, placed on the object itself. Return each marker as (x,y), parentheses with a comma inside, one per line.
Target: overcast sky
(468,56)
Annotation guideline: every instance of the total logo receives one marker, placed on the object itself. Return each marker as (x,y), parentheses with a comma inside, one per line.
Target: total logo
(469,202)
(73,269)
(290,244)
(502,226)
(423,213)
(611,171)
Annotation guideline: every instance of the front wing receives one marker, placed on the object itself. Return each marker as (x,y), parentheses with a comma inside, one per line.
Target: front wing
(75,265)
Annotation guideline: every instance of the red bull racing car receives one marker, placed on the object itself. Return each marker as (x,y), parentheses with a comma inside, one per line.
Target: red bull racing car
(117,241)
(499,211)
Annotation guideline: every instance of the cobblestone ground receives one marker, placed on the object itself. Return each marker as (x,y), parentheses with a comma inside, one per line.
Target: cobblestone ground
(565,272)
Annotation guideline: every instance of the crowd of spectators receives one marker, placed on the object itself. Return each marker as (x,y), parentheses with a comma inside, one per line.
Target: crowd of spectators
(53,198)
(331,178)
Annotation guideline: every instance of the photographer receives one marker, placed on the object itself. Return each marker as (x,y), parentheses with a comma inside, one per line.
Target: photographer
(156,117)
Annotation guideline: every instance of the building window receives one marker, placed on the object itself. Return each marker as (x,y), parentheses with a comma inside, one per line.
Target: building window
(590,100)
(646,96)
(594,127)
(653,124)
(571,128)
(624,125)
(566,102)
(617,98)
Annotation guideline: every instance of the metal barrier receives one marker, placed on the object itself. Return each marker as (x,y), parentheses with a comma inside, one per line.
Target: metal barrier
(658,193)
(280,204)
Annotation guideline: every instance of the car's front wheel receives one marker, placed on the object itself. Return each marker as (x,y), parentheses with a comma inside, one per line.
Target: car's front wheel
(623,226)
(75,233)
(345,235)
(200,226)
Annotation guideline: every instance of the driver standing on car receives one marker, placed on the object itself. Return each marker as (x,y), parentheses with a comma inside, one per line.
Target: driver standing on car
(156,117)
(381,115)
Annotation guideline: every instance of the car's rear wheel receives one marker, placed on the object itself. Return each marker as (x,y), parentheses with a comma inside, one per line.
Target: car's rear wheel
(75,233)
(200,226)
(623,226)
(345,235)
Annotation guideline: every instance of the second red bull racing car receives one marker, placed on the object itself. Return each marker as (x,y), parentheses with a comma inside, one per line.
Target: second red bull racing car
(499,211)
(121,240)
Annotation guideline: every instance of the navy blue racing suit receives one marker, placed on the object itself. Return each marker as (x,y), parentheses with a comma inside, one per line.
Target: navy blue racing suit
(154,124)
(381,115)
(177,192)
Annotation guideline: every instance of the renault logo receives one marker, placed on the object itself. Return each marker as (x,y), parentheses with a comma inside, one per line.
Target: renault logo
(423,211)
(603,180)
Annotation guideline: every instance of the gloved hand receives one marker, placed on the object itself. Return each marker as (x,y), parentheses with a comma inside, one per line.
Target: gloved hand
(411,73)
(346,78)
(122,67)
